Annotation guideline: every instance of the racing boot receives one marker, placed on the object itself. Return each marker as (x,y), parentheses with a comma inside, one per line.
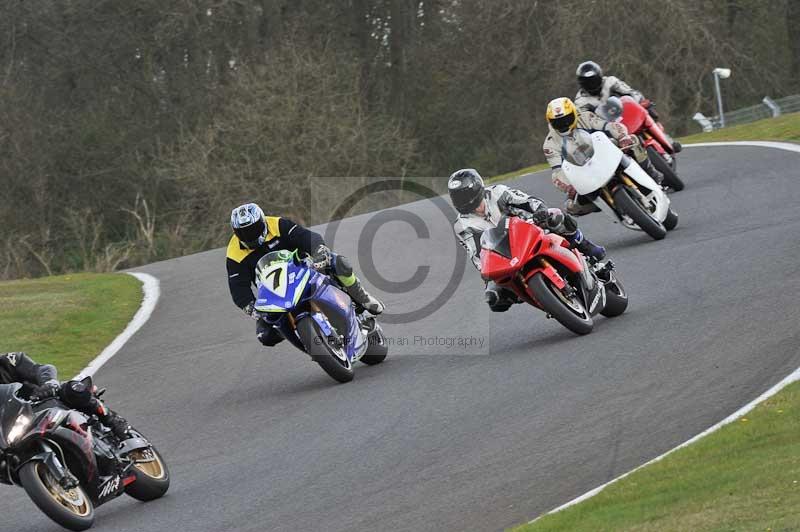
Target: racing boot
(364,299)
(576,207)
(498,299)
(586,246)
(652,171)
(118,425)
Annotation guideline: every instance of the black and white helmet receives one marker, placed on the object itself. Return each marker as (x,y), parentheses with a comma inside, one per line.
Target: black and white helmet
(249,225)
(466,190)
(590,77)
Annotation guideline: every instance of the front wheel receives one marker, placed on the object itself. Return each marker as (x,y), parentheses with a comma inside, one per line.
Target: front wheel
(671,221)
(378,348)
(331,358)
(152,475)
(71,508)
(640,216)
(567,310)
(616,297)
(671,179)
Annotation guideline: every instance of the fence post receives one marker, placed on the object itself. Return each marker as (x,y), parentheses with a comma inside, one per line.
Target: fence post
(774,107)
(704,122)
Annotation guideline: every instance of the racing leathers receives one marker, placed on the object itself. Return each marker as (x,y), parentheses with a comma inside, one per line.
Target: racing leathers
(612,86)
(499,201)
(283,233)
(558,147)
(40,382)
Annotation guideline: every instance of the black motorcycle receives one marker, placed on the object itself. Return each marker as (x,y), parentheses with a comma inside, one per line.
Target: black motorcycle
(68,463)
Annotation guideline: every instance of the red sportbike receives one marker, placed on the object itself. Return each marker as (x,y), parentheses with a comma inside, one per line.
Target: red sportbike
(541,269)
(659,146)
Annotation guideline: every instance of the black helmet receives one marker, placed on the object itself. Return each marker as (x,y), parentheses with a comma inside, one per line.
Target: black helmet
(590,77)
(249,225)
(466,190)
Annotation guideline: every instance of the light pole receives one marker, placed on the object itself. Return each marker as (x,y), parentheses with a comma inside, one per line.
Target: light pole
(720,73)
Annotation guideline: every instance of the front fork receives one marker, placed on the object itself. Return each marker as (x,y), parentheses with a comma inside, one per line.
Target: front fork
(51,461)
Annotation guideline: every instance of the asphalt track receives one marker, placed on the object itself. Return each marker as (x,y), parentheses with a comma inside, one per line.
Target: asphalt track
(454,437)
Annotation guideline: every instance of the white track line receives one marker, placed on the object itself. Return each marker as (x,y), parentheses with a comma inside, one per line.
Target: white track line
(151,294)
(788,146)
(794,376)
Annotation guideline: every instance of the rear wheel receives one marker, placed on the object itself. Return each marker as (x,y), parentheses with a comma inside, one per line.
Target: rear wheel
(671,179)
(331,358)
(567,310)
(70,508)
(152,475)
(638,213)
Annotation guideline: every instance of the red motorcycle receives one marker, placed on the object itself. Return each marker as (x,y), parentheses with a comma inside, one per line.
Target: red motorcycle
(541,269)
(660,148)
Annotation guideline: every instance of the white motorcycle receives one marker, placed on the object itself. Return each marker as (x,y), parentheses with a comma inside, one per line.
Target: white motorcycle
(618,186)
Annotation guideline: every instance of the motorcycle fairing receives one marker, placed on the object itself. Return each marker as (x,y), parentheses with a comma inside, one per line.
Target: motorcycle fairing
(656,195)
(634,116)
(281,285)
(598,170)
(639,122)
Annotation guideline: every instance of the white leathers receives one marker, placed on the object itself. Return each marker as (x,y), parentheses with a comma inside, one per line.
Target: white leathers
(612,86)
(556,145)
(497,201)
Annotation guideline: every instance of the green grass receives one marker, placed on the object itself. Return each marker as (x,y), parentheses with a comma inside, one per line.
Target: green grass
(517,173)
(746,476)
(66,320)
(784,127)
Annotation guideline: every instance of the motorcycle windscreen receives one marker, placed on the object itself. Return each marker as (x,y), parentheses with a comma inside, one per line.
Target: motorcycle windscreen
(497,239)
(13,412)
(280,282)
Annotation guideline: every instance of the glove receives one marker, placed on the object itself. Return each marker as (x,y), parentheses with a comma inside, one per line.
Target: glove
(250,310)
(48,390)
(626,142)
(321,257)
(571,192)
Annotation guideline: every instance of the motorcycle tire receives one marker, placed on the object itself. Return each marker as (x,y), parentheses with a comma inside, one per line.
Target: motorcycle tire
(152,475)
(616,298)
(551,299)
(324,354)
(671,221)
(640,217)
(671,179)
(46,494)
(377,350)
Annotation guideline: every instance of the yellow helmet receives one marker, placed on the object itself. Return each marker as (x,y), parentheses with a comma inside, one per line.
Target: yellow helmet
(562,115)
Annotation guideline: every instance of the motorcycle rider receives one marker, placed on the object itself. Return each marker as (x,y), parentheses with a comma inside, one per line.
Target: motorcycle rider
(595,90)
(255,235)
(40,382)
(564,120)
(481,208)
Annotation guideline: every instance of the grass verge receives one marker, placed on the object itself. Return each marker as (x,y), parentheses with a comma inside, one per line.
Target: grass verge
(745,476)
(518,173)
(66,320)
(784,127)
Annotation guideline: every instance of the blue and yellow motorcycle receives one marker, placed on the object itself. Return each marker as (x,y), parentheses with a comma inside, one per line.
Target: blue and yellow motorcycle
(316,315)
